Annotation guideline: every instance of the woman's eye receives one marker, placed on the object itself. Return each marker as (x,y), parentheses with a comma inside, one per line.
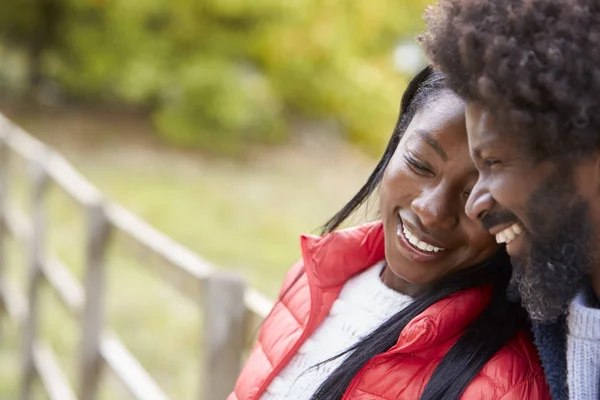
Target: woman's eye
(417,166)
(466,195)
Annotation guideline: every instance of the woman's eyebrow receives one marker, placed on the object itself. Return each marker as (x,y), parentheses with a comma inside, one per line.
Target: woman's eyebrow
(430,140)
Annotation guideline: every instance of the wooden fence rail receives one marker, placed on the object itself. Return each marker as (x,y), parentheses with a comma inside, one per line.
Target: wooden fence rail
(231,310)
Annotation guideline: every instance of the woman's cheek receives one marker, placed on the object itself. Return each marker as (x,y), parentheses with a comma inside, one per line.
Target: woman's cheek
(484,242)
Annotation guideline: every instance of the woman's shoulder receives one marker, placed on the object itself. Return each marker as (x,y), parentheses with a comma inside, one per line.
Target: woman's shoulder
(515,371)
(292,276)
(519,353)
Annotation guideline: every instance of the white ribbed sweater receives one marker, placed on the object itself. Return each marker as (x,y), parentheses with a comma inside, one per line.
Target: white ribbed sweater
(583,349)
(364,303)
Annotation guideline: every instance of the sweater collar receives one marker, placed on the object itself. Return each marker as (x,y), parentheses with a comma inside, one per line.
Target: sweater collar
(550,340)
(583,319)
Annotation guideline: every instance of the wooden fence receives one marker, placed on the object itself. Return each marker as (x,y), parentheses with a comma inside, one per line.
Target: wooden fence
(231,310)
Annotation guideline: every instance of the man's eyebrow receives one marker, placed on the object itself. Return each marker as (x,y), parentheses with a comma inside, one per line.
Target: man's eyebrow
(430,140)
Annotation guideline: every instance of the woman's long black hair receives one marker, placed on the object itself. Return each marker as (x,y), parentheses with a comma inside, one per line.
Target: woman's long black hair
(496,325)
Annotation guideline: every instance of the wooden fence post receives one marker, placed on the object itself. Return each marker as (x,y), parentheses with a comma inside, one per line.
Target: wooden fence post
(223,334)
(36,250)
(93,316)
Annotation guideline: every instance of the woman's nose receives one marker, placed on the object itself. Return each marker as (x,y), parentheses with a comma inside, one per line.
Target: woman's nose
(436,209)
(479,203)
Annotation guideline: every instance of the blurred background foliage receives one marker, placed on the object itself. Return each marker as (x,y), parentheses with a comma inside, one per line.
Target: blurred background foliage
(295,97)
(216,74)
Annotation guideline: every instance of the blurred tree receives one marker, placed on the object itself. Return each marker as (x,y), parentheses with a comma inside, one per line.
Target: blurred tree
(221,73)
(34,26)
(48,15)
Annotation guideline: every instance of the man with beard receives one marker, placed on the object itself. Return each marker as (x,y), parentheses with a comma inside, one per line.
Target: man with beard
(530,73)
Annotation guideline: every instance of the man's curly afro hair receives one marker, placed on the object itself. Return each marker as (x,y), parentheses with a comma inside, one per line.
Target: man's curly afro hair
(535,64)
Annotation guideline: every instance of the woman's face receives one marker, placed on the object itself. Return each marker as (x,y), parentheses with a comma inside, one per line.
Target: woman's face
(423,195)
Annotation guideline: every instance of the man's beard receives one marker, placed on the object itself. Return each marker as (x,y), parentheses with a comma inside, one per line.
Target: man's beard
(560,253)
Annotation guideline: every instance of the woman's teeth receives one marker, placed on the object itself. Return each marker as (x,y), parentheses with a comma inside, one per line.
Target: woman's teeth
(421,245)
(509,234)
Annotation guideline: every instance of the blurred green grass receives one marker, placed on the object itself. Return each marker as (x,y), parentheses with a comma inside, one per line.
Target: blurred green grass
(241,215)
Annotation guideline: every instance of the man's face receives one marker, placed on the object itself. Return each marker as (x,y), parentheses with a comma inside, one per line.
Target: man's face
(543,210)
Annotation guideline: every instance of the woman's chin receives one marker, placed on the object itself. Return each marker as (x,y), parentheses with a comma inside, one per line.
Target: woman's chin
(401,268)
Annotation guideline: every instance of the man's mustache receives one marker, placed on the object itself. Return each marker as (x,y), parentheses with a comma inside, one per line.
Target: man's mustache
(490,220)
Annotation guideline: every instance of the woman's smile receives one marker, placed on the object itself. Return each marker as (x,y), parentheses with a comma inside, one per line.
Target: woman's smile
(416,246)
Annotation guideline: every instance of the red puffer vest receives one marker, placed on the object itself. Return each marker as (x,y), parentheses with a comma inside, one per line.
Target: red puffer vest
(403,371)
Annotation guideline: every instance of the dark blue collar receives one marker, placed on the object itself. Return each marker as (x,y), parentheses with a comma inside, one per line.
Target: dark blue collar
(550,340)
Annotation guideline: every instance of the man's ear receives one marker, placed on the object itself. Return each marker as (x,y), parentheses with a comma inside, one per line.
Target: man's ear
(596,177)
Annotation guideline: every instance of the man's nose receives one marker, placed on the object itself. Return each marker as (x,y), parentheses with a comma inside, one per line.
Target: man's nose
(480,202)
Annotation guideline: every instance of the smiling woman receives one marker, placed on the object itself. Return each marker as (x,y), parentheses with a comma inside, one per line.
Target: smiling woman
(412,306)
(422,199)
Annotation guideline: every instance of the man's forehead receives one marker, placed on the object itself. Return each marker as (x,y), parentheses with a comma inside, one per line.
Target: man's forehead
(481,128)
(485,130)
